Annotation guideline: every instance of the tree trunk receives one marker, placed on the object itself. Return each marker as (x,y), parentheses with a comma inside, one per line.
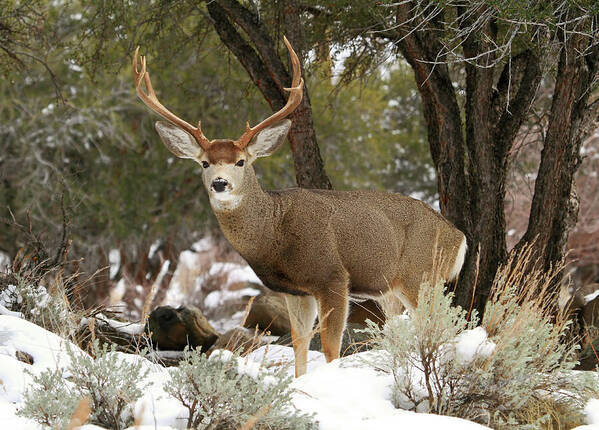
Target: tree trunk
(266,69)
(471,168)
(554,208)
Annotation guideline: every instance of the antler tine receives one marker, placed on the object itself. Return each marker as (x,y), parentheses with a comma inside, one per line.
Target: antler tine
(151,101)
(295,98)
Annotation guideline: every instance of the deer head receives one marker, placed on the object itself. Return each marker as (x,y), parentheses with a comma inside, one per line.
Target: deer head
(225,162)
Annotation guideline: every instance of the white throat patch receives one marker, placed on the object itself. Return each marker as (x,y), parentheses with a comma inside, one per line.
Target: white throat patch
(224,201)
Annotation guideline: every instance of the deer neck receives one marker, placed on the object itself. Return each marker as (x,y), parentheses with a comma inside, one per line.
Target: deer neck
(248,225)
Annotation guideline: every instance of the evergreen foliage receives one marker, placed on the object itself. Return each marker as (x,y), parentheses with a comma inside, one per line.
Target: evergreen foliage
(95,142)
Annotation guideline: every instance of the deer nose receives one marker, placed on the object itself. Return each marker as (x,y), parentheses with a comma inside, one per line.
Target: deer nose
(219,185)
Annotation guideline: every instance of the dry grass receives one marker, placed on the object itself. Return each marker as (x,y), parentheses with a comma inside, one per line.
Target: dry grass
(560,415)
(533,289)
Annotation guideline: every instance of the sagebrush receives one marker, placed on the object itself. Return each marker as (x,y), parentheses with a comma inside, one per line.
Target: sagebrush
(520,376)
(226,392)
(112,384)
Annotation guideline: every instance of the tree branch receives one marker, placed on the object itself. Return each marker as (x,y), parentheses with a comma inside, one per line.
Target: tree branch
(247,56)
(525,82)
(441,111)
(256,31)
(508,84)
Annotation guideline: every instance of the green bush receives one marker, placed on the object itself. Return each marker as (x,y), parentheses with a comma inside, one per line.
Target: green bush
(224,392)
(521,376)
(111,384)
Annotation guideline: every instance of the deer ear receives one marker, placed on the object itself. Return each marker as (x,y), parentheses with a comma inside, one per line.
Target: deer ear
(178,141)
(268,140)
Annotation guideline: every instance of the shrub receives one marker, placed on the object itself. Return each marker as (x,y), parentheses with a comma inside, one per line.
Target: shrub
(420,351)
(51,402)
(111,384)
(36,304)
(224,392)
(518,377)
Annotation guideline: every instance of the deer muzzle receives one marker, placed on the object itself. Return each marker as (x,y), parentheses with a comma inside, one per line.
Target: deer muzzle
(219,185)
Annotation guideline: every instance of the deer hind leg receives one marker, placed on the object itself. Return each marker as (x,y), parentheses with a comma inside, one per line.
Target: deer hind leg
(332,315)
(302,313)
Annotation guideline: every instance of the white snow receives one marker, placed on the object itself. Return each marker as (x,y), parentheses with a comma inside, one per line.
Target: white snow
(118,292)
(591,411)
(5,311)
(204,244)
(47,349)
(126,327)
(591,296)
(13,377)
(349,393)
(8,298)
(243,274)
(114,260)
(234,273)
(163,271)
(472,343)
(191,276)
(218,297)
(10,420)
(153,248)
(278,355)
(179,289)
(188,259)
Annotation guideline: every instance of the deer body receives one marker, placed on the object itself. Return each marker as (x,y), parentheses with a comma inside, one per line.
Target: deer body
(320,247)
(368,240)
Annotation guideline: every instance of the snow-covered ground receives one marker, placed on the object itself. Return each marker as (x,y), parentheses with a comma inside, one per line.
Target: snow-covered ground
(348,393)
(343,394)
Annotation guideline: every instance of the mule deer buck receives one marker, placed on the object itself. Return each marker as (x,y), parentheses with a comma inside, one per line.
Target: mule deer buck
(320,247)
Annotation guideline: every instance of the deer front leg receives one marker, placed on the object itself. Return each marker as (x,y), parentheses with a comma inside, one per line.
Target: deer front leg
(332,316)
(302,313)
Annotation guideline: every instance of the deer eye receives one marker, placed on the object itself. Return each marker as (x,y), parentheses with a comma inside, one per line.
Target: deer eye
(205,164)
(240,163)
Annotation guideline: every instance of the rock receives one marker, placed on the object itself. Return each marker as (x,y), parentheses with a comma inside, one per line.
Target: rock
(24,357)
(269,313)
(173,329)
(236,339)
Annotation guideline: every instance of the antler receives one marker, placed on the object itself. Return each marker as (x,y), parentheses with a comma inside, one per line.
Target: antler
(152,102)
(295,97)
